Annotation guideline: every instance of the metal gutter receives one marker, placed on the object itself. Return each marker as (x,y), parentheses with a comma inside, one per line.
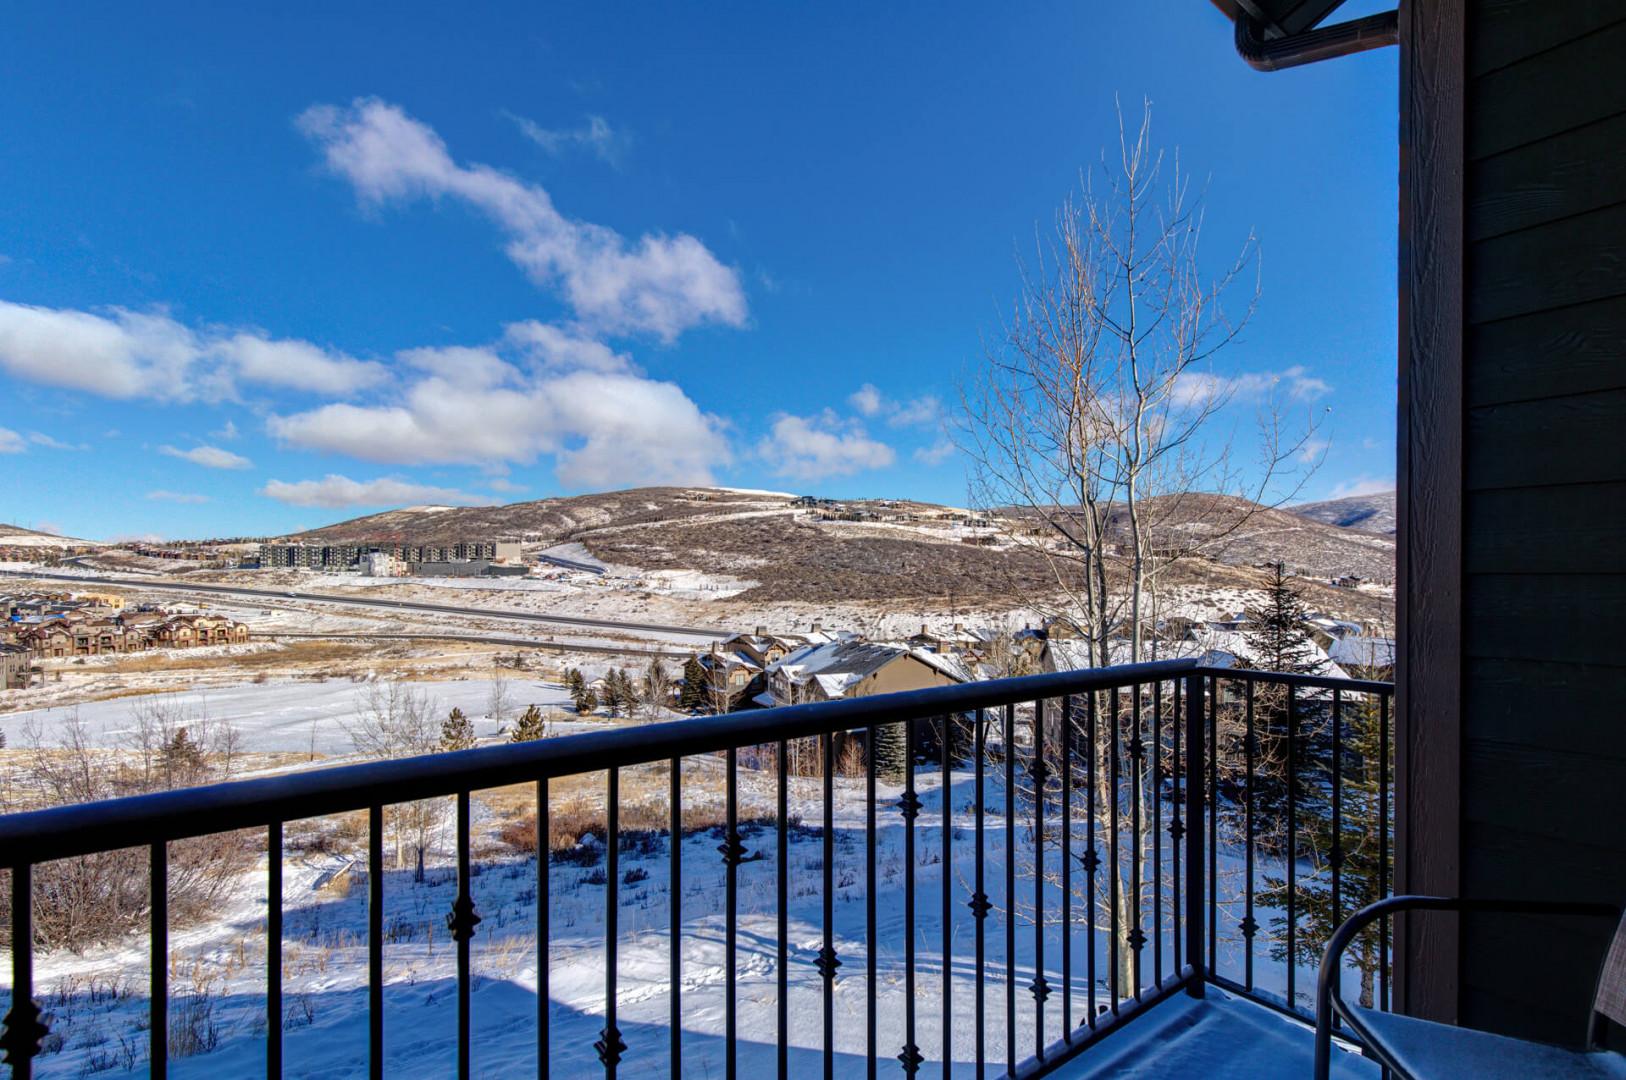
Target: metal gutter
(1311,46)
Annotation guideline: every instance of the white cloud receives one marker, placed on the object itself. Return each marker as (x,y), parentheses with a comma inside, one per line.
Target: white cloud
(815,447)
(126,354)
(1203,388)
(604,428)
(935,454)
(919,411)
(1313,450)
(333,491)
(227,433)
(659,284)
(210,457)
(595,135)
(123,356)
(869,401)
(39,438)
(504,485)
(11,442)
(552,347)
(299,365)
(1362,485)
(177,497)
(469,365)
(1304,387)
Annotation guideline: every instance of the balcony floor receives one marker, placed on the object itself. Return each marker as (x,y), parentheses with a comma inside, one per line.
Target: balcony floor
(1221,1037)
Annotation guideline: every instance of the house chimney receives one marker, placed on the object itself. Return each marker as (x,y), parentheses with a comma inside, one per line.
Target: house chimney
(762,631)
(817,626)
(925,630)
(959,627)
(714,648)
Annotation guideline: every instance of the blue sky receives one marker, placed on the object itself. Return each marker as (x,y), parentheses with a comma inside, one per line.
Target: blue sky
(264,270)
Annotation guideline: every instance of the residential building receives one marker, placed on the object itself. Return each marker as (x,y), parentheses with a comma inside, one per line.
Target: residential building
(384,564)
(854,668)
(16,663)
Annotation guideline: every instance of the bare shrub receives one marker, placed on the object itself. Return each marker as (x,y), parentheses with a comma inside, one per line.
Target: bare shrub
(95,898)
(394,720)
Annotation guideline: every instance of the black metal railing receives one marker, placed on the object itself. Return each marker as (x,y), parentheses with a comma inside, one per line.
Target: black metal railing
(1276,819)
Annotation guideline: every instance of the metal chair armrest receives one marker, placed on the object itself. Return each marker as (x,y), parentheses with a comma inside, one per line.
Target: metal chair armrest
(1327,995)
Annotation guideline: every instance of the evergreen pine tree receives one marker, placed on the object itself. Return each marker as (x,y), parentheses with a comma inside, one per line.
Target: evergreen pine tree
(587,703)
(890,750)
(611,695)
(529,726)
(625,690)
(693,697)
(182,758)
(456,732)
(1359,847)
(1277,633)
(1277,638)
(575,686)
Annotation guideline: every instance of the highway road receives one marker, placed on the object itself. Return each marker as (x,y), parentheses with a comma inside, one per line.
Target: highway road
(576,621)
(476,639)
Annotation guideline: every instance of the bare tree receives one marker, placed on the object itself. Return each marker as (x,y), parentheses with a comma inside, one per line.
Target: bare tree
(1093,429)
(394,720)
(1096,437)
(498,705)
(656,693)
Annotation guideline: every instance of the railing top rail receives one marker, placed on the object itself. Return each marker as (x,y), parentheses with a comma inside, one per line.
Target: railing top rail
(80,829)
(1313,682)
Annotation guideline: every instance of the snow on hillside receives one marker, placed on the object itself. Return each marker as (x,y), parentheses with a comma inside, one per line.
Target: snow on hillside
(9,538)
(1361,513)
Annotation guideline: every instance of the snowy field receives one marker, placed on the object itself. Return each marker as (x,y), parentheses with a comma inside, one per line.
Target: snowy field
(289,715)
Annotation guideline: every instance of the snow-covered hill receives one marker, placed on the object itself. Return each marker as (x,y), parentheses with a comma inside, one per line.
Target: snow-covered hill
(1362,513)
(19,537)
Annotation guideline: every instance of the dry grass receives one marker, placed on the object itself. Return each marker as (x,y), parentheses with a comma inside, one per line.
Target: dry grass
(296,654)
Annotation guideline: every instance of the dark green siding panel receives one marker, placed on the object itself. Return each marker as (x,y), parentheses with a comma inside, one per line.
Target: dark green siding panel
(1570,529)
(1573,173)
(1576,704)
(1575,618)
(1575,350)
(1573,261)
(1514,863)
(1512,781)
(1549,1002)
(1503,32)
(1543,735)
(1578,440)
(1576,83)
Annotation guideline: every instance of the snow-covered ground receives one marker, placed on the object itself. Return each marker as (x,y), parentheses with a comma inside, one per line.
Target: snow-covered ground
(284,715)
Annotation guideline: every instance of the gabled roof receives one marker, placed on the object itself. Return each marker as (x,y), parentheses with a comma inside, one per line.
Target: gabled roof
(1362,652)
(849,657)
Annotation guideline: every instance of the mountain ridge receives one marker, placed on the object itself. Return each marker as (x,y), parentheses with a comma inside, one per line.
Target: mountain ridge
(791,554)
(1374,513)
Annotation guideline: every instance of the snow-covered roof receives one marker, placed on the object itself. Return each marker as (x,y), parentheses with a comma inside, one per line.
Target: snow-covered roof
(1362,652)
(946,665)
(835,685)
(836,658)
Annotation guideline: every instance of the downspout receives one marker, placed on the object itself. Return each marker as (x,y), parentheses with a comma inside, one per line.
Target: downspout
(1322,43)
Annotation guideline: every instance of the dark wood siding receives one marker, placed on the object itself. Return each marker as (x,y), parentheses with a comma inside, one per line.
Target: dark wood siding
(1543,731)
